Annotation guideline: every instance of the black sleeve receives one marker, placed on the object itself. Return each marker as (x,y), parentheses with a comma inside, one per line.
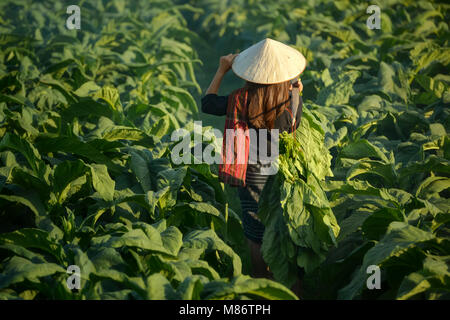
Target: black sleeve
(214,104)
(284,121)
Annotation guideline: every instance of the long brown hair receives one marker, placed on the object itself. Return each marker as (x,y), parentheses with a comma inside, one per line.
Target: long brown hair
(267,102)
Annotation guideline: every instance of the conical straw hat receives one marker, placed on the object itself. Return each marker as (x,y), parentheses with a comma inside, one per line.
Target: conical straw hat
(268,62)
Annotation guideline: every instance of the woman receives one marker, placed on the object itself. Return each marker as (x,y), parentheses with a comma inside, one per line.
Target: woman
(268,68)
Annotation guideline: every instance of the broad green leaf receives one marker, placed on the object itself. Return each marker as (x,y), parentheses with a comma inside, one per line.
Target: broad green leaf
(244,285)
(399,238)
(159,288)
(111,96)
(13,142)
(432,186)
(203,240)
(35,238)
(139,165)
(87,89)
(29,200)
(340,91)
(146,237)
(375,226)
(91,150)
(362,149)
(68,177)
(190,288)
(435,277)
(19,269)
(102,182)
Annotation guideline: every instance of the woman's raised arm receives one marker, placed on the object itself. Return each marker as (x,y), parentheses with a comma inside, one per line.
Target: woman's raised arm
(225,65)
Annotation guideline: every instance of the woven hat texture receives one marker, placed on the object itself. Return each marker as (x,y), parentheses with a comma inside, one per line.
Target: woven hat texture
(268,62)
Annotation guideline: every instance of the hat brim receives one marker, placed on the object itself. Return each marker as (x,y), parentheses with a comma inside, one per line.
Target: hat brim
(270,82)
(269,62)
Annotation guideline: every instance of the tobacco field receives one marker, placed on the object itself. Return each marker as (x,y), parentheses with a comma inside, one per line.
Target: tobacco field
(87,178)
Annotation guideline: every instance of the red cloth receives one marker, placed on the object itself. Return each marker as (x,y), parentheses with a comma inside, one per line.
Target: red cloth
(236,140)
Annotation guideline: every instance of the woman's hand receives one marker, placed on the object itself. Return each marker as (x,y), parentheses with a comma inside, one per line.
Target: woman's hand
(300,86)
(226,62)
(225,65)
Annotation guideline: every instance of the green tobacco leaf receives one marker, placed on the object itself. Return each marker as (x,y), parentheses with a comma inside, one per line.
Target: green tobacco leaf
(56,67)
(19,269)
(161,127)
(434,89)
(30,200)
(335,138)
(28,70)
(353,187)
(190,288)
(86,107)
(18,99)
(29,181)
(90,150)
(277,248)
(172,269)
(102,182)
(244,285)
(386,171)
(200,267)
(437,129)
(171,179)
(111,96)
(20,251)
(68,177)
(202,240)
(362,149)
(308,216)
(435,277)
(13,142)
(172,240)
(432,186)
(105,258)
(205,207)
(392,81)
(35,238)
(139,165)
(125,133)
(180,98)
(399,238)
(415,283)
(340,91)
(438,266)
(310,140)
(431,164)
(375,226)
(8,294)
(88,88)
(300,231)
(145,237)
(58,85)
(351,224)
(159,288)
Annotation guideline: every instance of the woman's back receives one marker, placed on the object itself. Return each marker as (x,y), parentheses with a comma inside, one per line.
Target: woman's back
(217,105)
